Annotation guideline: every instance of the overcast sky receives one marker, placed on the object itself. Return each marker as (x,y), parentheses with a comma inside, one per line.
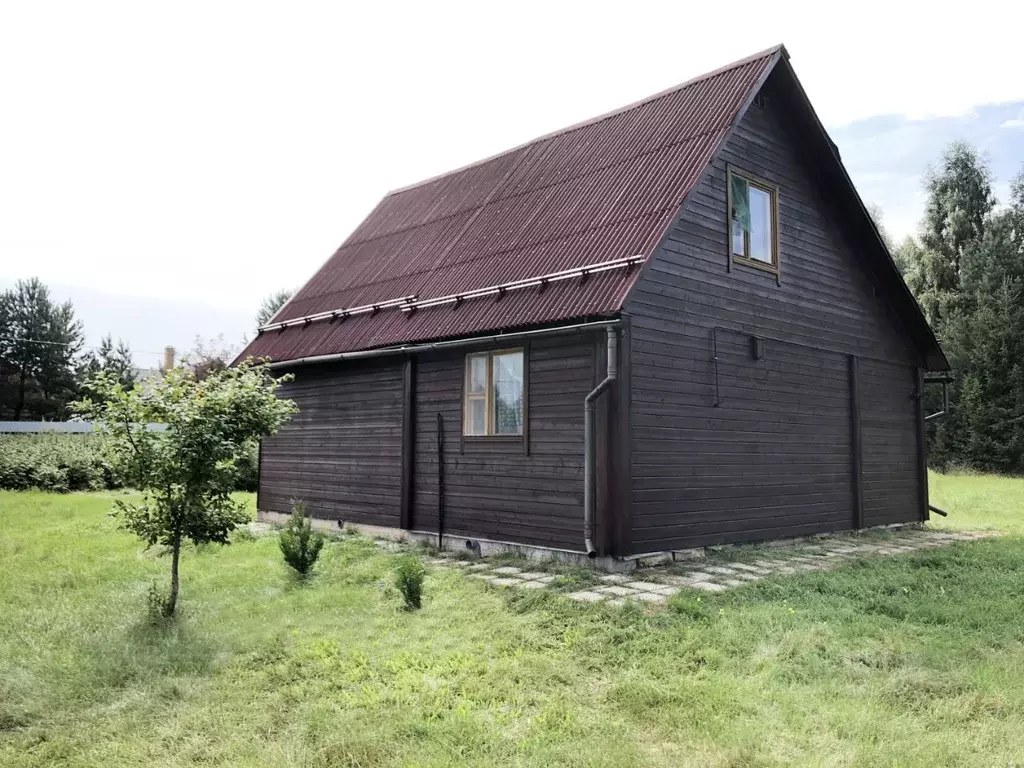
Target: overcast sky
(166,166)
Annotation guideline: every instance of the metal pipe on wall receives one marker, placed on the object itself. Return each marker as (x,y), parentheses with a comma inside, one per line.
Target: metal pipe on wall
(590,442)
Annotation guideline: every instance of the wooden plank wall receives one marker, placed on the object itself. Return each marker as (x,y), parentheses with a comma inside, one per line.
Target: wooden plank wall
(889,429)
(497,490)
(341,453)
(774,458)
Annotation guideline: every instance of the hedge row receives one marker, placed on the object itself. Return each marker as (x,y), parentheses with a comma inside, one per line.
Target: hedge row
(75,462)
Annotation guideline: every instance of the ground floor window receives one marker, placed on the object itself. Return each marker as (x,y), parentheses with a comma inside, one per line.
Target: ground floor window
(494,393)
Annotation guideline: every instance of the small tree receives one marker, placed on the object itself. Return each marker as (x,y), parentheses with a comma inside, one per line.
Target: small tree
(114,359)
(186,472)
(208,356)
(300,544)
(409,574)
(271,305)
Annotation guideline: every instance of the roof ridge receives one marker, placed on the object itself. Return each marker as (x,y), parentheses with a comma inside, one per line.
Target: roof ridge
(766,53)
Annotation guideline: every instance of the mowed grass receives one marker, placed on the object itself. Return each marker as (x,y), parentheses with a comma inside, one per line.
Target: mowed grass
(898,661)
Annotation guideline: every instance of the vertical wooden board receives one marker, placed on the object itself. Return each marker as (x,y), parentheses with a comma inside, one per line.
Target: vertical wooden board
(408,438)
(857,444)
(526,399)
(259,475)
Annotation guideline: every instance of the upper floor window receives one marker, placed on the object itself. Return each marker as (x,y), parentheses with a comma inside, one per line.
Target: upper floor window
(494,393)
(753,220)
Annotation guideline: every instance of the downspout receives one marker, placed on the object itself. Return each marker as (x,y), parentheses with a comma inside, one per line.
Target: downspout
(946,380)
(590,443)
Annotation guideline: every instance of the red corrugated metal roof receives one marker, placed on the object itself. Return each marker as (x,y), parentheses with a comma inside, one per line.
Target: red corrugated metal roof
(601,190)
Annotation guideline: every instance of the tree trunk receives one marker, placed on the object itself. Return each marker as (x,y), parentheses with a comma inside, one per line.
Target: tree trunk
(172,599)
(21,396)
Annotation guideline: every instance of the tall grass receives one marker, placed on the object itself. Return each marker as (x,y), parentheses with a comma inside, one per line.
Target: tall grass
(911,660)
(978,501)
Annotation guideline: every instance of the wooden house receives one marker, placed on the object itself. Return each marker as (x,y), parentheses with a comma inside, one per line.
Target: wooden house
(671,326)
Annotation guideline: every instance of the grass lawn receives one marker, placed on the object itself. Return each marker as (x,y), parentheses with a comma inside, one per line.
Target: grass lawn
(912,660)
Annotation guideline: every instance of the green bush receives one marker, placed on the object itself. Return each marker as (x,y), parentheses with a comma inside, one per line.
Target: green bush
(248,466)
(55,462)
(300,544)
(409,579)
(59,462)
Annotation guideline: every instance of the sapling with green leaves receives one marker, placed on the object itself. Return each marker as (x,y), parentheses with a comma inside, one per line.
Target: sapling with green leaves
(186,472)
(409,575)
(300,544)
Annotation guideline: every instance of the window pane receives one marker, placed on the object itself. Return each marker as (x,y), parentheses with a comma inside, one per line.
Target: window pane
(476,416)
(760,225)
(737,239)
(477,374)
(740,214)
(508,394)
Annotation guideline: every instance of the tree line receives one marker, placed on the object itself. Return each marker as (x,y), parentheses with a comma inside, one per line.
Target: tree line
(44,363)
(966,269)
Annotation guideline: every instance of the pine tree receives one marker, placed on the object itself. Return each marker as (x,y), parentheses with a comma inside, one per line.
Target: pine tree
(270,306)
(959,203)
(984,340)
(114,359)
(39,343)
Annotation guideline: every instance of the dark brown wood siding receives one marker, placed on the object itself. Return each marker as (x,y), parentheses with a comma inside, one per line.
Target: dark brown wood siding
(341,454)
(497,490)
(774,457)
(889,429)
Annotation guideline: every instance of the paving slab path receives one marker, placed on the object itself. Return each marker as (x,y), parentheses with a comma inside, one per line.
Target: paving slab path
(715,573)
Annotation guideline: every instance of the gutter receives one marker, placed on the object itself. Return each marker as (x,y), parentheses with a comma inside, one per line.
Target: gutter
(407,349)
(590,440)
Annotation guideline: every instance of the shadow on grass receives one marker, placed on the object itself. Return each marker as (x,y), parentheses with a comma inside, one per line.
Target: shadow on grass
(146,650)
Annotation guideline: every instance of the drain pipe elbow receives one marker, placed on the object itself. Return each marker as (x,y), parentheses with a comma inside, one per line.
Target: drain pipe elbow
(590,443)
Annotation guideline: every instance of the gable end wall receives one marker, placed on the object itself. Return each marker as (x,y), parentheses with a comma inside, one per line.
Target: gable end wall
(774,458)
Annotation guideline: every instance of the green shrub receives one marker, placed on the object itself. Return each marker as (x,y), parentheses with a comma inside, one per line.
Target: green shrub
(300,544)
(55,462)
(409,576)
(248,470)
(64,462)
(156,604)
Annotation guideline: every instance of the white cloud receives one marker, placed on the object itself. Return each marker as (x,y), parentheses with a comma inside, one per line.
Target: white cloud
(1016,122)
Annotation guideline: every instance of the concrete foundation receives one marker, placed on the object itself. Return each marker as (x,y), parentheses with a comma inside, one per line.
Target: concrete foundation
(487,547)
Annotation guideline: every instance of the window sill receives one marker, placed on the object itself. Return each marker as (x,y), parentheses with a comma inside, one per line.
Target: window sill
(763,266)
